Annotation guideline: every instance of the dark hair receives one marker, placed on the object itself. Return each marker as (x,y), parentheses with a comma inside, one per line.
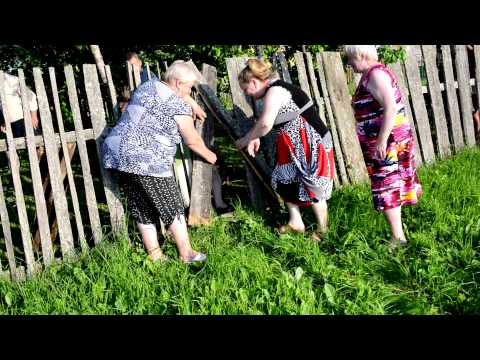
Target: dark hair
(131,54)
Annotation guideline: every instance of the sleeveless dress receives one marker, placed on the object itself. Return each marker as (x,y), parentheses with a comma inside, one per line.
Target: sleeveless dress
(394,180)
(304,169)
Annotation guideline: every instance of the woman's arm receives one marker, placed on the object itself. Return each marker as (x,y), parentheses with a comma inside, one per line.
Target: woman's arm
(380,87)
(272,103)
(192,139)
(197,110)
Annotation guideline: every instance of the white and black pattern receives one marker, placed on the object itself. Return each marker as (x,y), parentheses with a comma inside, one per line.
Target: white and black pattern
(144,140)
(303,175)
(151,199)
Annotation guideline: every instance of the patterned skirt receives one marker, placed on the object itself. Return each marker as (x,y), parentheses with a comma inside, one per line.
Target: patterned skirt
(151,198)
(394,180)
(305,165)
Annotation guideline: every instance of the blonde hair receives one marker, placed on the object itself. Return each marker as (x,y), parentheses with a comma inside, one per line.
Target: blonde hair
(256,69)
(368,51)
(180,70)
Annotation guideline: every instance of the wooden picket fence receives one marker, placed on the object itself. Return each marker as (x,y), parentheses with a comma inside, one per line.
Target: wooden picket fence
(57,144)
(439,106)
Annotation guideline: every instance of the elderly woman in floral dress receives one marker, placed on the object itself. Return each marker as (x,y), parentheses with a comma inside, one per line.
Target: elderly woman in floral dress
(142,147)
(385,136)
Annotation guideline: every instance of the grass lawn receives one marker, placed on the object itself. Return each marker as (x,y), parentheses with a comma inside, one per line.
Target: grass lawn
(252,270)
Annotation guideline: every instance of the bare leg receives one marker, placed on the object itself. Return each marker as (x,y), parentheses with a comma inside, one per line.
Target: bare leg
(295,221)
(217,189)
(320,210)
(149,236)
(180,235)
(394,218)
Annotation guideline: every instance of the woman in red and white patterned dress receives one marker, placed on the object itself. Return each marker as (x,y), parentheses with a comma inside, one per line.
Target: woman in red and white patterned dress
(304,170)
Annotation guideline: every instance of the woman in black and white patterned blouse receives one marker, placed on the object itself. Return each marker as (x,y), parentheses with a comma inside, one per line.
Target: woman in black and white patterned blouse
(142,147)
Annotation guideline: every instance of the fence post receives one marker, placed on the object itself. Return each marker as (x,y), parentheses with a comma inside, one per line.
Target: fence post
(452,100)
(465,91)
(244,114)
(343,114)
(430,58)
(201,195)
(17,184)
(419,109)
(92,206)
(99,124)
(58,191)
(331,122)
(67,157)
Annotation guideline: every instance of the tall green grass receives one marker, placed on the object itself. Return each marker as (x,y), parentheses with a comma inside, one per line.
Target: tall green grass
(252,270)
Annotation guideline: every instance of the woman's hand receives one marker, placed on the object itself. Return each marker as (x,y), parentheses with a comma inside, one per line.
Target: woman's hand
(253,146)
(198,113)
(211,157)
(243,142)
(381,149)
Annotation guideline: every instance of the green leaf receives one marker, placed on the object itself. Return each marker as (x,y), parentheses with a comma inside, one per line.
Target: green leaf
(8,299)
(329,291)
(298,273)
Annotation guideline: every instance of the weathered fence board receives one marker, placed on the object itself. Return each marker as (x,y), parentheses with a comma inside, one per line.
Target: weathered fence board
(419,108)
(343,114)
(99,124)
(465,91)
(201,205)
(314,86)
(70,137)
(181,174)
(50,204)
(430,58)
(112,92)
(281,66)
(58,191)
(82,151)
(302,73)
(319,101)
(136,77)
(17,184)
(476,50)
(40,204)
(241,102)
(452,101)
(243,111)
(7,234)
(148,71)
(68,153)
(402,83)
(343,179)
(130,77)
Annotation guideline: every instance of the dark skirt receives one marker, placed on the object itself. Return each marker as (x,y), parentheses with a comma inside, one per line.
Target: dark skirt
(151,199)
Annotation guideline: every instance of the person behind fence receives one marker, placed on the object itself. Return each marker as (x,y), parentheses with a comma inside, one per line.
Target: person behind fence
(304,170)
(13,100)
(386,138)
(136,62)
(142,147)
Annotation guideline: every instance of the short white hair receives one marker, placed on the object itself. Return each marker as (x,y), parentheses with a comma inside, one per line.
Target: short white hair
(180,70)
(368,51)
